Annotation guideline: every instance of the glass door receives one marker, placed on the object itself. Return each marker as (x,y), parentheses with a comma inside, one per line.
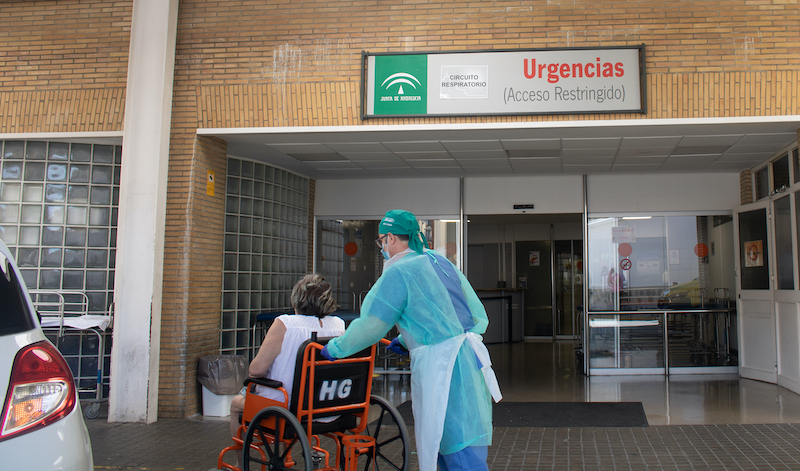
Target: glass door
(568,286)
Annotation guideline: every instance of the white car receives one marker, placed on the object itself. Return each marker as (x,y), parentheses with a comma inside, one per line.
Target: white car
(41,426)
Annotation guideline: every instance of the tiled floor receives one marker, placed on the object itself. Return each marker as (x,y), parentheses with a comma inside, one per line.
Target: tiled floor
(696,423)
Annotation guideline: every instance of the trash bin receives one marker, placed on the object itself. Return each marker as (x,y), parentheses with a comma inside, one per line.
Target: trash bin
(221,377)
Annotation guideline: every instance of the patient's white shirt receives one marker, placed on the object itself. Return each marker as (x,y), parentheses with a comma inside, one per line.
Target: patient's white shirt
(298,330)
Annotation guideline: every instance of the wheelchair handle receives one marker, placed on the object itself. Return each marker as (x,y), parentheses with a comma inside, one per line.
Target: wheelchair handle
(270,383)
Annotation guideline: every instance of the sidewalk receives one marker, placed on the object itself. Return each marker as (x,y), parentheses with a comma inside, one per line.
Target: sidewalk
(193,445)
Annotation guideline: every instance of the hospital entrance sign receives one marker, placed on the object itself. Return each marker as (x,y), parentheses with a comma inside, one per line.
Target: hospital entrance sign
(519,82)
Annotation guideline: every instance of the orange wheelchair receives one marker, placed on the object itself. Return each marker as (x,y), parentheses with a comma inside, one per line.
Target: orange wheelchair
(331,412)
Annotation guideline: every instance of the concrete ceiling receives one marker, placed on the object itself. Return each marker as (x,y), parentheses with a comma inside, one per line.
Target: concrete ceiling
(535,148)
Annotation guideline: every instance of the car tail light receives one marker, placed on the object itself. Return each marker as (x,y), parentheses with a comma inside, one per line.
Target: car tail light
(41,390)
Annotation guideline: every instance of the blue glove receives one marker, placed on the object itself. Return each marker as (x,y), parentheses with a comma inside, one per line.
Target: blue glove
(397,347)
(324,352)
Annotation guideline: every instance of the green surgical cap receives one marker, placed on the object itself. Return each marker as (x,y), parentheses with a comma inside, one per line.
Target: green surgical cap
(398,221)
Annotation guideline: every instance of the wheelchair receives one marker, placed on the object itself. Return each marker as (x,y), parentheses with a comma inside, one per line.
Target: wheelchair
(331,411)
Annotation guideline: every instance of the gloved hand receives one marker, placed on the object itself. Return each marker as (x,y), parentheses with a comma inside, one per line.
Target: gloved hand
(324,352)
(397,347)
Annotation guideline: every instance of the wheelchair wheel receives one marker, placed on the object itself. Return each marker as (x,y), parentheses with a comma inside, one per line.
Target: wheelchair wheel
(276,451)
(391,437)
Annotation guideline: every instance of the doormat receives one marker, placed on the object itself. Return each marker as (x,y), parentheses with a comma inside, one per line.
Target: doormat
(558,414)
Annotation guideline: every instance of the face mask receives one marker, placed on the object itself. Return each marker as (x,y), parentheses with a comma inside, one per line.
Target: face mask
(385,252)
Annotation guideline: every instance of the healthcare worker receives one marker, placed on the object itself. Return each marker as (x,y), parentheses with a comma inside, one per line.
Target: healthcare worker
(440,320)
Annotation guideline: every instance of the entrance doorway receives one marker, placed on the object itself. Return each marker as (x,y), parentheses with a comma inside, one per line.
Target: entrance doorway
(538,256)
(547,272)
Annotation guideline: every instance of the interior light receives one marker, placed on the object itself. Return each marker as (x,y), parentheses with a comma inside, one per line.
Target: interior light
(630,218)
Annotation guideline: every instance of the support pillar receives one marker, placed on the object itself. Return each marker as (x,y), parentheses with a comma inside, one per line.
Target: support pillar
(133,395)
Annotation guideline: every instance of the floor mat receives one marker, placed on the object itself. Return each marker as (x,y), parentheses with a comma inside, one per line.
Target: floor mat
(558,414)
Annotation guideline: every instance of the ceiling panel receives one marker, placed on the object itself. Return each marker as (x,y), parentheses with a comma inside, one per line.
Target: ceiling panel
(518,148)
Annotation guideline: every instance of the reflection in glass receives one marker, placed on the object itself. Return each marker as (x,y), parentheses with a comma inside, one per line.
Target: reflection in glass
(76,215)
(55,193)
(79,173)
(674,262)
(52,235)
(780,173)
(53,214)
(12,170)
(57,172)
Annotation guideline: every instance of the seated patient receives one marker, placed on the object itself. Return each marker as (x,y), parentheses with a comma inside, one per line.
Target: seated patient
(312,300)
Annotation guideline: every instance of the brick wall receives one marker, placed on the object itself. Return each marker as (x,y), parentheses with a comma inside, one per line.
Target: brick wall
(63,65)
(746,187)
(190,314)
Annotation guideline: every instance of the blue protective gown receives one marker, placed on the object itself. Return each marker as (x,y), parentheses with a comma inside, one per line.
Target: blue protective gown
(430,301)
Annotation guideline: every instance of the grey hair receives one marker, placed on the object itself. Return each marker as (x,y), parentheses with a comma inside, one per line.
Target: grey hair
(313,296)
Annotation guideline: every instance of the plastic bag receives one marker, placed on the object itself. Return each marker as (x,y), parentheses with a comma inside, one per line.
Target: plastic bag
(222,374)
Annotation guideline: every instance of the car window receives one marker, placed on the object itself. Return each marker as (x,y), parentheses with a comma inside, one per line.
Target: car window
(14,314)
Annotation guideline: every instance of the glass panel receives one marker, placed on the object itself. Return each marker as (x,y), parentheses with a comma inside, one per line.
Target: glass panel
(59,151)
(32,193)
(36,150)
(98,237)
(754,249)
(57,172)
(81,153)
(762,183)
(701,339)
(76,215)
(79,173)
(49,279)
(103,154)
(9,213)
(12,170)
(796,165)
(674,262)
(10,192)
(78,194)
(784,259)
(53,235)
(97,258)
(75,236)
(626,341)
(53,214)
(31,214)
(14,150)
(98,216)
(55,193)
(28,257)
(780,173)
(95,279)
(51,257)
(74,258)
(101,174)
(34,171)
(28,235)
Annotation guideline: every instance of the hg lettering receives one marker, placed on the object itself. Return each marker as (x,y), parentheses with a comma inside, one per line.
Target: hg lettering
(333,389)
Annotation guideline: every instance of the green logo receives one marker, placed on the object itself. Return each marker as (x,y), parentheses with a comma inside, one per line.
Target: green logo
(401,84)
